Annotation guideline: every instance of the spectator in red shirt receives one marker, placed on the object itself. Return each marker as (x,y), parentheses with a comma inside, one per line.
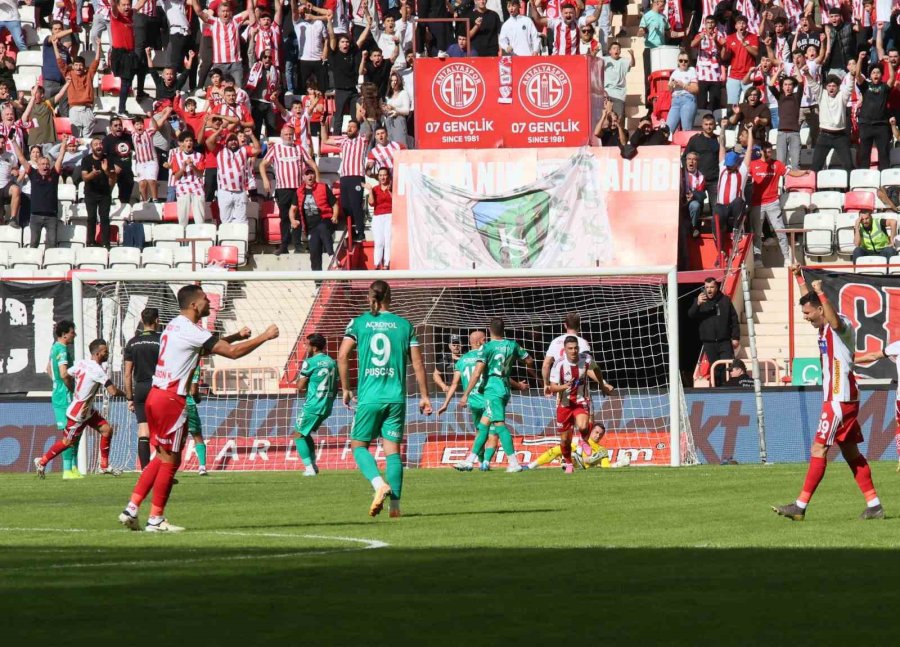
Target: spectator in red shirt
(765,176)
(740,50)
(381,201)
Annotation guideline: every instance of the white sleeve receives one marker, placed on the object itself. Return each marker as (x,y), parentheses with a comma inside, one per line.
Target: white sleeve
(98,375)
(197,336)
(553,349)
(555,373)
(892,350)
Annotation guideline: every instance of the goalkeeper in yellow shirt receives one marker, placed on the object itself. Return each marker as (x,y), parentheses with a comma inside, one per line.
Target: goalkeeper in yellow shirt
(585,453)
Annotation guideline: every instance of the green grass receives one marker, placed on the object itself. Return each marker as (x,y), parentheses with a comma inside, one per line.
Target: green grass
(685,556)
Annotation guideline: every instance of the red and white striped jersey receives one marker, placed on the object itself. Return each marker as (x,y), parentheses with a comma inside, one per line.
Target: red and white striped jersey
(143,145)
(732,183)
(565,371)
(149,8)
(289,161)
(102,8)
(237,110)
(694,181)
(383,156)
(557,347)
(830,4)
(191,183)
(89,377)
(226,40)
(179,352)
(709,66)
(300,124)
(793,9)
(588,47)
(709,7)
(232,174)
(565,37)
(836,348)
(353,155)
(265,39)
(16,131)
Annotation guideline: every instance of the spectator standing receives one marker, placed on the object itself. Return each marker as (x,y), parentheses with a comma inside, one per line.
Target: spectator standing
(118,148)
(9,190)
(43,130)
(224,28)
(841,43)
(146,163)
(484,29)
(344,61)
(564,28)
(693,188)
(382,153)
(9,20)
(232,161)
(187,178)
(440,31)
(683,86)
(264,35)
(740,50)
(381,203)
(833,133)
(707,147)
(653,29)
(615,70)
(587,44)
(264,86)
(354,147)
(730,197)
(717,324)
(397,109)
(789,100)
(518,36)
(874,126)
(873,237)
(753,112)
(51,72)
(124,63)
(311,31)
(44,180)
(319,213)
(99,176)
(80,90)
(147,29)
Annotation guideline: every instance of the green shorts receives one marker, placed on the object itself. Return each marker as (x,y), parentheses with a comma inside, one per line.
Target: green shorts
(308,422)
(374,420)
(59,411)
(477,411)
(193,420)
(495,406)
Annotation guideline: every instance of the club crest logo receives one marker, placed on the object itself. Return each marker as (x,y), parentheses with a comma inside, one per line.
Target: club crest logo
(458,90)
(545,90)
(513,230)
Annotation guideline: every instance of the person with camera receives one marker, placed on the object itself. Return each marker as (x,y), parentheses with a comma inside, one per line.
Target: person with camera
(873,237)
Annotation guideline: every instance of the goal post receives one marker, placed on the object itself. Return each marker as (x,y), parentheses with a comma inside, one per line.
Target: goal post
(629,316)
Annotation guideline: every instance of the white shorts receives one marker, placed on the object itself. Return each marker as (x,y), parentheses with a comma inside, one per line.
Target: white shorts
(146,171)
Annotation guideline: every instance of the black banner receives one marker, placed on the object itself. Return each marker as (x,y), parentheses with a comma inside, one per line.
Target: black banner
(27,314)
(872,304)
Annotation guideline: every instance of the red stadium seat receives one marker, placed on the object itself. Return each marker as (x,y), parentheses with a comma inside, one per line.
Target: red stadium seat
(110,84)
(271,230)
(682,137)
(63,126)
(858,200)
(170,212)
(225,255)
(805,183)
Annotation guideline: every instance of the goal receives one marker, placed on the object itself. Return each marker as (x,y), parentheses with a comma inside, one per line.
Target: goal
(249,406)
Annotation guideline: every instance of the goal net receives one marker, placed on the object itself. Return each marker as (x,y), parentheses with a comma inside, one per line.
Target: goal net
(249,406)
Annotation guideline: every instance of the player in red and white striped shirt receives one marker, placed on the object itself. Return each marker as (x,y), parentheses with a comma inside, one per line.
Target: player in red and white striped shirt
(289,161)
(232,161)
(838,422)
(180,347)
(226,39)
(187,178)
(146,164)
(382,153)
(352,171)
(89,377)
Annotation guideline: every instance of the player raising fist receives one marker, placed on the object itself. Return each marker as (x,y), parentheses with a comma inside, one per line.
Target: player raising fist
(180,347)
(384,342)
(838,423)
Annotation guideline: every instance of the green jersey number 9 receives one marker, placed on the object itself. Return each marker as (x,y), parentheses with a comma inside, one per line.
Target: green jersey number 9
(381,349)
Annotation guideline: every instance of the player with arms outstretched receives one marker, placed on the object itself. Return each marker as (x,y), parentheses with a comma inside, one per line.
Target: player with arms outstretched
(463,371)
(838,423)
(318,377)
(61,360)
(569,381)
(495,361)
(891,352)
(89,377)
(180,347)
(384,341)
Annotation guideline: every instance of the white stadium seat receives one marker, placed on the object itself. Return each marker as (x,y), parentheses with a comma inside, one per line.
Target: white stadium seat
(25,258)
(59,258)
(167,235)
(863,178)
(207,231)
(890,177)
(185,259)
(157,258)
(71,235)
(10,237)
(845,226)
(238,235)
(864,265)
(124,258)
(827,201)
(91,258)
(4,258)
(834,179)
(894,265)
(819,241)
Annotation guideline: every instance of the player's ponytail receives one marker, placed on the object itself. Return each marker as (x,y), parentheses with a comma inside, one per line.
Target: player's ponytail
(379,296)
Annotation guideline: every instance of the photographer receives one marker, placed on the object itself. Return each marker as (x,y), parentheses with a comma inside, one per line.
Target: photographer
(99,177)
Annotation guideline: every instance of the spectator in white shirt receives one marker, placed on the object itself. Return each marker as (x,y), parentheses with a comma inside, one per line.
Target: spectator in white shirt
(394,37)
(615,69)
(684,87)
(311,30)
(518,35)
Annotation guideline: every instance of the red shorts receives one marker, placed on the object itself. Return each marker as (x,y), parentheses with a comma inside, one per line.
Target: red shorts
(74,429)
(167,419)
(838,424)
(565,416)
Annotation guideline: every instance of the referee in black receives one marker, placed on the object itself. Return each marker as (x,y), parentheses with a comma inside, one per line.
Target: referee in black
(141,353)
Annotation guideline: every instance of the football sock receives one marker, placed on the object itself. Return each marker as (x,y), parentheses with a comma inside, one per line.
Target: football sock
(505,440)
(200,448)
(480,439)
(58,448)
(162,487)
(394,474)
(489,454)
(565,446)
(814,476)
(366,464)
(863,475)
(145,481)
(67,459)
(311,445)
(143,452)
(104,451)
(75,444)
(303,450)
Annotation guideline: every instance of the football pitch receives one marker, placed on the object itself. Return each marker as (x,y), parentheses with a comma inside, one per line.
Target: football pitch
(638,555)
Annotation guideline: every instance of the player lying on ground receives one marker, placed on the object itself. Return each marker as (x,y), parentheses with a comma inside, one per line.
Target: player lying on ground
(838,423)
(89,377)
(61,360)
(569,380)
(485,444)
(585,453)
(495,360)
(318,377)
(892,352)
(180,347)
(384,342)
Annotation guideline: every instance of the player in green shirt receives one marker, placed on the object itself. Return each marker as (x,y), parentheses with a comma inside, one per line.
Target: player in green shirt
(463,372)
(384,341)
(495,360)
(61,360)
(195,427)
(318,377)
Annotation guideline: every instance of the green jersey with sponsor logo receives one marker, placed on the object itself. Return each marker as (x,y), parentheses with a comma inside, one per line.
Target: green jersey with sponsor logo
(60,355)
(466,367)
(383,341)
(498,356)
(321,370)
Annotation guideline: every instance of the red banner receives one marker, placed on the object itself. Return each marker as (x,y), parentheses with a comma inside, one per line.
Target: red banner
(507,102)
